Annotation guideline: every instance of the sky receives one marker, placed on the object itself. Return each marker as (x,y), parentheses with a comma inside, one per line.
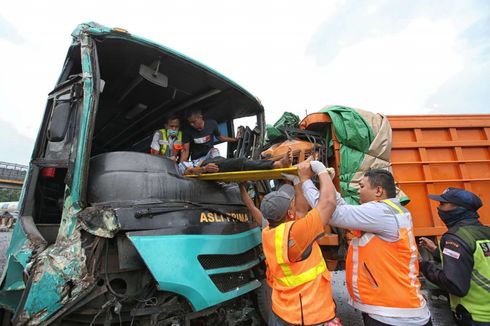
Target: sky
(384,56)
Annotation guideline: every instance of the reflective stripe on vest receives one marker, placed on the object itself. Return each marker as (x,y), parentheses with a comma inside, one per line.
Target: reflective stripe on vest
(477,238)
(177,144)
(413,246)
(382,276)
(289,278)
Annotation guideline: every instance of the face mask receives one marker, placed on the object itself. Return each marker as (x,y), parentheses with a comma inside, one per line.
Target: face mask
(455,215)
(172,133)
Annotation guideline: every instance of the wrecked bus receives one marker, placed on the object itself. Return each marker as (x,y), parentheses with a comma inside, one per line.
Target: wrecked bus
(108,233)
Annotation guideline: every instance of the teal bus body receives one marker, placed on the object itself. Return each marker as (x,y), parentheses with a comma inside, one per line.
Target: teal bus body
(50,269)
(188,278)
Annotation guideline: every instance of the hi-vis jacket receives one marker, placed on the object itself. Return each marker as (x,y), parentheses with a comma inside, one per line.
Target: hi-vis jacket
(177,144)
(301,291)
(381,275)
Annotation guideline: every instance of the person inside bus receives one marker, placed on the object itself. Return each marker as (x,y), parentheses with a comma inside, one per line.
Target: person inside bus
(216,164)
(200,141)
(169,142)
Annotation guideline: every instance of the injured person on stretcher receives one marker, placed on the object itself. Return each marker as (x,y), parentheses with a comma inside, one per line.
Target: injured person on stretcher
(221,164)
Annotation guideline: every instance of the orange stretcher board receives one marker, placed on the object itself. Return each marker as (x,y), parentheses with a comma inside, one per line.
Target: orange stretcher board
(253,175)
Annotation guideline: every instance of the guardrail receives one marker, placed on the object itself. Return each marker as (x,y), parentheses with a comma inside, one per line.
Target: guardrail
(12,175)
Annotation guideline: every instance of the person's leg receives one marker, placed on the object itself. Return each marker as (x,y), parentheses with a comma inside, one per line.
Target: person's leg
(284,162)
(239,164)
(249,165)
(274,320)
(368,321)
(429,323)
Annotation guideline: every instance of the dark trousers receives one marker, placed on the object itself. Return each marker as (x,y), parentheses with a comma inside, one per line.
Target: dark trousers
(275,320)
(461,321)
(239,164)
(368,321)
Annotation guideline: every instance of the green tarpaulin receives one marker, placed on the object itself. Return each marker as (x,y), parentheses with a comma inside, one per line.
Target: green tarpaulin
(365,143)
(355,136)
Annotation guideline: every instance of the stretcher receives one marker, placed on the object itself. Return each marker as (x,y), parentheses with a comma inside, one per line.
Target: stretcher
(253,175)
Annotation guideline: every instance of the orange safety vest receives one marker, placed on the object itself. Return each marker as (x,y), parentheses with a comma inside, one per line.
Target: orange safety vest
(382,276)
(164,143)
(301,291)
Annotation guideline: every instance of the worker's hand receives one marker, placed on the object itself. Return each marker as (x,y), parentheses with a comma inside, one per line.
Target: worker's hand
(210,168)
(318,167)
(331,173)
(427,243)
(304,170)
(243,186)
(291,177)
(239,133)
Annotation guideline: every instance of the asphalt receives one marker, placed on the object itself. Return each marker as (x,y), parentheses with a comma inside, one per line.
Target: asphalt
(438,305)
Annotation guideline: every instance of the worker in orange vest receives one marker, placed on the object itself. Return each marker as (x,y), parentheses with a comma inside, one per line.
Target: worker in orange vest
(300,280)
(382,262)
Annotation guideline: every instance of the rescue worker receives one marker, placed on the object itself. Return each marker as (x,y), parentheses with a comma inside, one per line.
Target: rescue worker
(381,265)
(465,257)
(297,272)
(169,142)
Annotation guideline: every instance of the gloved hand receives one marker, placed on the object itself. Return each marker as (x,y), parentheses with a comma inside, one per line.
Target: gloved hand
(291,177)
(331,173)
(318,167)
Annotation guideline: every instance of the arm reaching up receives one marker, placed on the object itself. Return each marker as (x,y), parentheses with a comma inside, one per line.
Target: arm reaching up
(326,202)
(253,210)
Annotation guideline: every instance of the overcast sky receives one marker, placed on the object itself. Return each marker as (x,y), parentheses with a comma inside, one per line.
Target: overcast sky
(391,57)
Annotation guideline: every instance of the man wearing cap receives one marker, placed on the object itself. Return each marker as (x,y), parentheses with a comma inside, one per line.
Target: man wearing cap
(464,253)
(381,264)
(300,280)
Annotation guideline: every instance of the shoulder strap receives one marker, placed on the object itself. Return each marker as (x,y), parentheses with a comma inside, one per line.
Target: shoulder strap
(471,233)
(393,205)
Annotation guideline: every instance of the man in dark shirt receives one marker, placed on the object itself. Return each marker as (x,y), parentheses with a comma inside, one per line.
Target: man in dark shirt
(201,135)
(464,253)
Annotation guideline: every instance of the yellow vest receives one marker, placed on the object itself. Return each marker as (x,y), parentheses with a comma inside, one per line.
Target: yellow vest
(301,291)
(164,143)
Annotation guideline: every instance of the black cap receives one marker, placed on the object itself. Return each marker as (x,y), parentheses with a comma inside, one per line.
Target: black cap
(459,197)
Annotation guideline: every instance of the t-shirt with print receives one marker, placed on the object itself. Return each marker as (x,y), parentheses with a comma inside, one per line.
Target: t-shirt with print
(201,141)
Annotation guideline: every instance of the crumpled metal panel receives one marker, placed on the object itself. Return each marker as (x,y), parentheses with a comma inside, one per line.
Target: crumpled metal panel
(59,273)
(18,255)
(101,222)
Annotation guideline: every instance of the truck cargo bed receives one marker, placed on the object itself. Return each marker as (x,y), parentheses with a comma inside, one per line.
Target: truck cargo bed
(432,152)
